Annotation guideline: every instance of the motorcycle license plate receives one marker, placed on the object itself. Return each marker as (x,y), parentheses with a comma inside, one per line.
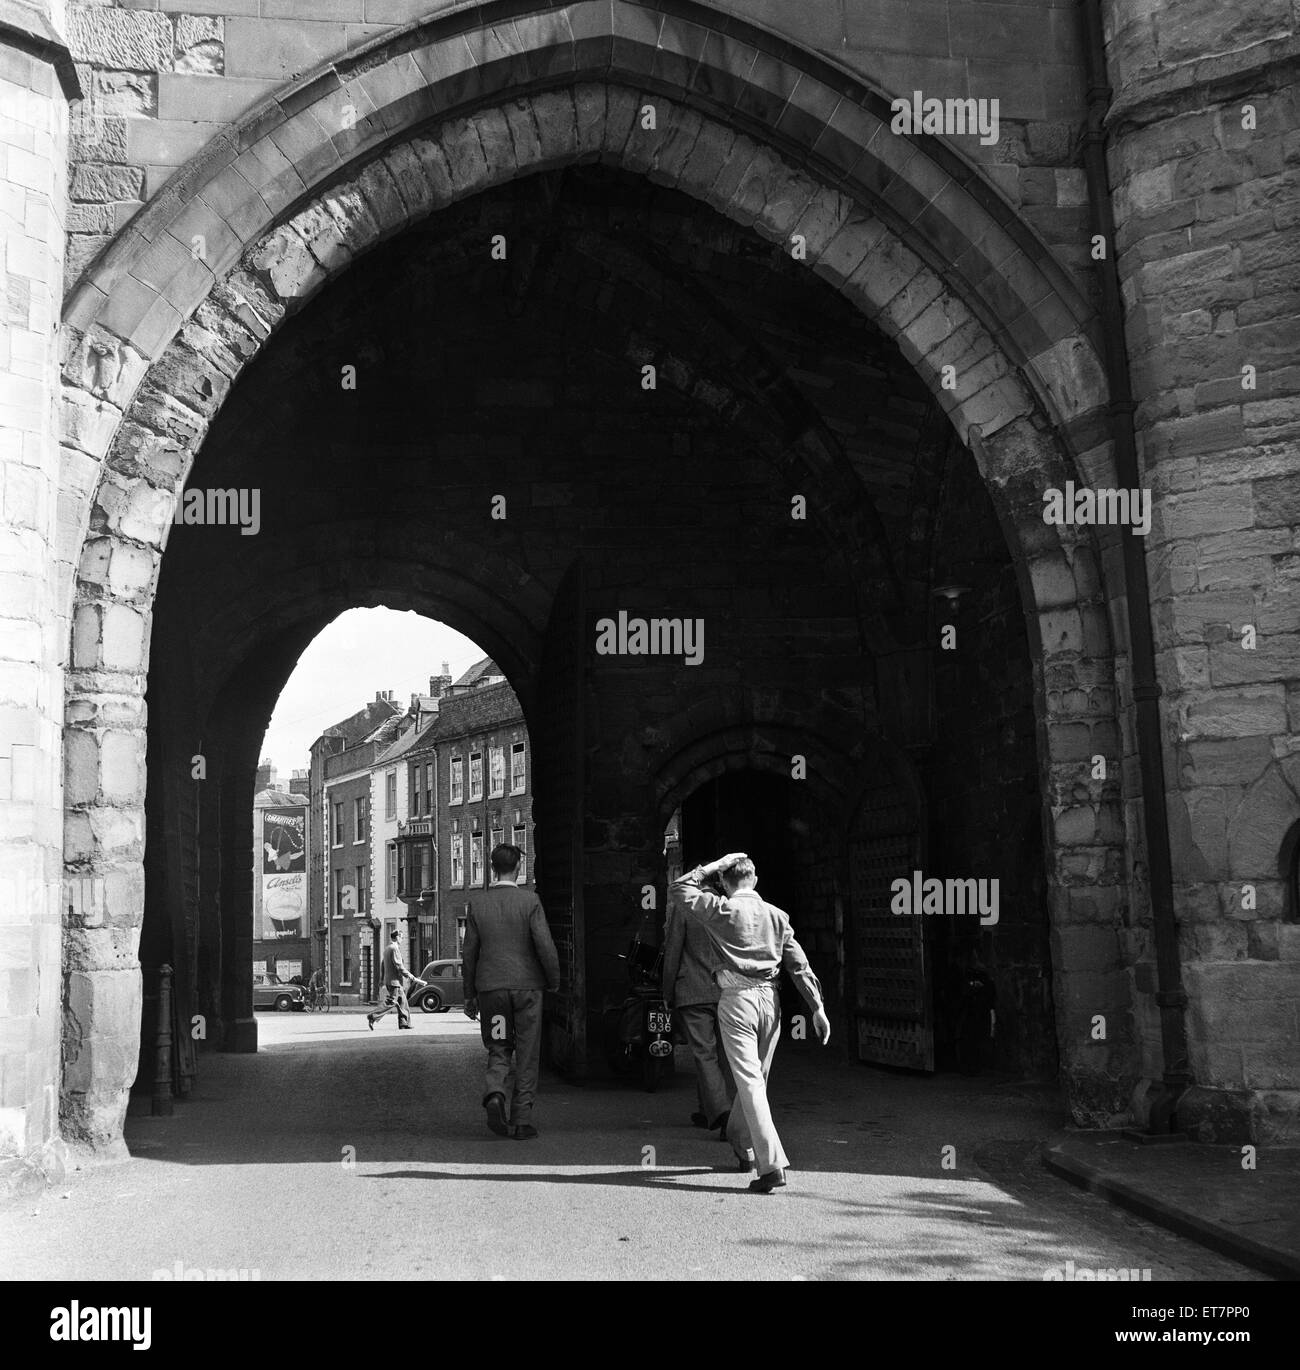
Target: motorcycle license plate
(660,1021)
(660,1048)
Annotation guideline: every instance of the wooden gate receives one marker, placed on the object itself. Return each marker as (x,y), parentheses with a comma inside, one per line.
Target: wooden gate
(891,994)
(557,738)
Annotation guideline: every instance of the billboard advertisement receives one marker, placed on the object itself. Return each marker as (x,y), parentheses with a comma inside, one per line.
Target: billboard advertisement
(284,872)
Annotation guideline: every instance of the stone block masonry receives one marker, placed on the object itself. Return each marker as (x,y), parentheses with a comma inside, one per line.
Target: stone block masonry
(1205,166)
(33,632)
(163,77)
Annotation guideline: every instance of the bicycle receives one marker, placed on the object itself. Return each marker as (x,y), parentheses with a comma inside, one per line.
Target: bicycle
(318,1000)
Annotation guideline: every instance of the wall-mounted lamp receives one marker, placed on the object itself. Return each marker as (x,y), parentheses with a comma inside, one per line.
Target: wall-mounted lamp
(952,593)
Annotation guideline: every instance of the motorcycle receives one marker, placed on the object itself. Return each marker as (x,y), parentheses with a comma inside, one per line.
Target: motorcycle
(639,1031)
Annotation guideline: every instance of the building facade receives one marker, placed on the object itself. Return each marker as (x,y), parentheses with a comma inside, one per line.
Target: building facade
(388,801)
(341,891)
(389,805)
(481,795)
(348,895)
(467,782)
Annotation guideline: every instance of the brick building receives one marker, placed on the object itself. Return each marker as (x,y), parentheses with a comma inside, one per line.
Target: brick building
(389,806)
(481,796)
(449,778)
(341,892)
(467,786)
(754,359)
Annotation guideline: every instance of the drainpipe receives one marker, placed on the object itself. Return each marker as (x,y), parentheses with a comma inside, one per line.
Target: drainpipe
(1170,995)
(437,858)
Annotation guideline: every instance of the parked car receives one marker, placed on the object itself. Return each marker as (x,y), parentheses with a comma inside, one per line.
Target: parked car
(269,991)
(445,988)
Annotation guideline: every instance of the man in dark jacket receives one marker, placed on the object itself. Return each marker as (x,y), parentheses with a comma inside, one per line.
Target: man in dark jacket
(509,960)
(690,991)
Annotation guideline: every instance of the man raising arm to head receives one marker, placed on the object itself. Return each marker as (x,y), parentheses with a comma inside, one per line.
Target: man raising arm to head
(753,939)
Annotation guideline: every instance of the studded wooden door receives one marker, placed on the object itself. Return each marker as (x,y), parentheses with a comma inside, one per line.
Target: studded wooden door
(891,995)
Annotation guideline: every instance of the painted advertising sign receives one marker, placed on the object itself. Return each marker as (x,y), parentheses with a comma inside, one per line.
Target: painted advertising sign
(284,872)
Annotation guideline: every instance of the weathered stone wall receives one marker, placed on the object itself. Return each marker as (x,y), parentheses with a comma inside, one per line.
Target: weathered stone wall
(164,77)
(33,629)
(1208,214)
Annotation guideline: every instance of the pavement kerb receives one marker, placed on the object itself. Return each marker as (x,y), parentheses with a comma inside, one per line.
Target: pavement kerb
(1218,1237)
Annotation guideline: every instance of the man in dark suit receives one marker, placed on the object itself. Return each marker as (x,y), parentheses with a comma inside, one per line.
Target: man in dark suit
(690,991)
(509,960)
(395,975)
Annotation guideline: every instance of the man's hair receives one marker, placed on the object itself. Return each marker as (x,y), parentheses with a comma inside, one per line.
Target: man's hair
(505,859)
(738,871)
(394,935)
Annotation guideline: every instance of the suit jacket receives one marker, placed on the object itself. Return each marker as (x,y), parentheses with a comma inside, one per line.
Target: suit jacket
(394,969)
(689,958)
(508,943)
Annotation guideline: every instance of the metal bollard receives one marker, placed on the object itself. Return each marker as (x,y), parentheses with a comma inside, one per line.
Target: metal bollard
(162,1075)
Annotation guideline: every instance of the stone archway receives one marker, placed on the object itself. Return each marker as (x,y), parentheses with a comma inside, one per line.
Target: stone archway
(773,139)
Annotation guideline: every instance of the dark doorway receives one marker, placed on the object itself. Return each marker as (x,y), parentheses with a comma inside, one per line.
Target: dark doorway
(793,845)
(749,812)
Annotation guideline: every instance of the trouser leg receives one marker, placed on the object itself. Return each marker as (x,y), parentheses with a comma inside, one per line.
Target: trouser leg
(712,1076)
(750,1023)
(528,1052)
(403,1008)
(496,1021)
(391,1003)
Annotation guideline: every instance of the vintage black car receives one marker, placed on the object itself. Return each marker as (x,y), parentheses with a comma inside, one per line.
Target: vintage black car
(445,988)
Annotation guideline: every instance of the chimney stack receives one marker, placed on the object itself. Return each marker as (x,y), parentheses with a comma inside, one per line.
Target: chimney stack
(440,684)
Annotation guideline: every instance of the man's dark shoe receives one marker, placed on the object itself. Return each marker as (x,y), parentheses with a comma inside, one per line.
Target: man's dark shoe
(370,1022)
(525,1132)
(495,1104)
(404,1027)
(744,1165)
(765,1184)
(699,1120)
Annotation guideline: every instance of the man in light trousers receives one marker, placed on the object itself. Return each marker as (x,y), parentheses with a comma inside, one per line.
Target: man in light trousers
(509,960)
(753,940)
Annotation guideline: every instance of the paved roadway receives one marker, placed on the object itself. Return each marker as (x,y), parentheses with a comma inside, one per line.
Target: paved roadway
(336,1152)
